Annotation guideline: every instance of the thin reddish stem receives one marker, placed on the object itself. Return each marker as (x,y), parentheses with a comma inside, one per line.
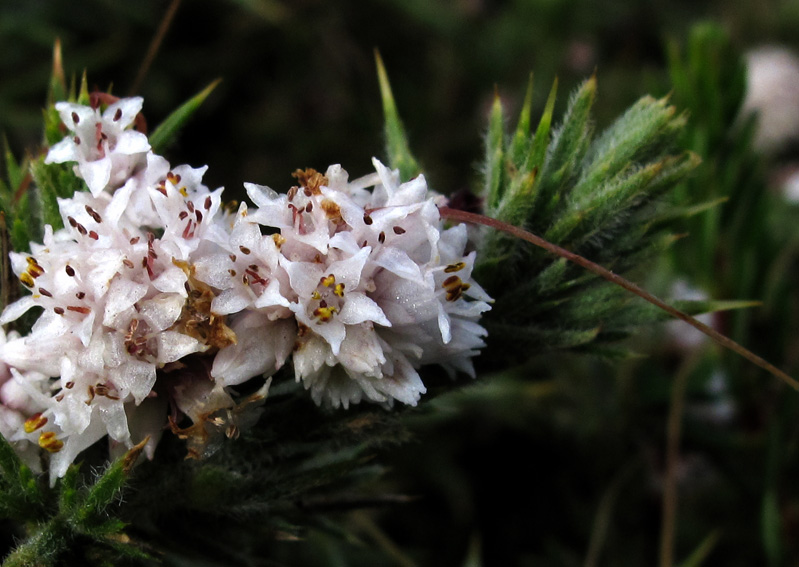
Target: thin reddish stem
(517,232)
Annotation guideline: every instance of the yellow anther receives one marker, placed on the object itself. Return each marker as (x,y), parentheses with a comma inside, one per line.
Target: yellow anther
(26,279)
(183,192)
(458,266)
(34,422)
(327,281)
(315,295)
(324,314)
(49,442)
(339,290)
(279,240)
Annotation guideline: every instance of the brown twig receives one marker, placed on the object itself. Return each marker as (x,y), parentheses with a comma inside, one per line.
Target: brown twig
(722,340)
(155,44)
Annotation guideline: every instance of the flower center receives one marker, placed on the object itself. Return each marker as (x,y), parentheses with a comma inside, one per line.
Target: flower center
(326,299)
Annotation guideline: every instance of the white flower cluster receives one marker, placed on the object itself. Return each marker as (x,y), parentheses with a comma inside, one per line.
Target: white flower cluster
(156,300)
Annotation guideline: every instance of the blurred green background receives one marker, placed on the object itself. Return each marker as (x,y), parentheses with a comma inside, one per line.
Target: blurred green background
(560,462)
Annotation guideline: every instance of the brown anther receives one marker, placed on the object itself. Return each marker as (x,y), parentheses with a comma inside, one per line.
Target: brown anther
(94,214)
(93,235)
(128,263)
(82,230)
(199,215)
(59,397)
(58,310)
(79,309)
(232,257)
(458,266)
(190,206)
(117,115)
(76,140)
(232,273)
(69,385)
(69,270)
(80,294)
(381,238)
(244,249)
(75,118)
(45,292)
(207,203)
(134,240)
(367,219)
(183,215)
(90,389)
(451,281)
(398,230)
(72,222)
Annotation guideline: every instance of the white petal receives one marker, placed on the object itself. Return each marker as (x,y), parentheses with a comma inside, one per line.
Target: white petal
(173,346)
(96,174)
(136,377)
(359,308)
(15,310)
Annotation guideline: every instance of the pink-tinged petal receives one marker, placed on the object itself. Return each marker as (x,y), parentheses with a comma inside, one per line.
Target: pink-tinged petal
(359,308)
(96,174)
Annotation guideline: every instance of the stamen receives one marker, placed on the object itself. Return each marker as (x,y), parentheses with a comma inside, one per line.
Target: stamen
(34,422)
(49,442)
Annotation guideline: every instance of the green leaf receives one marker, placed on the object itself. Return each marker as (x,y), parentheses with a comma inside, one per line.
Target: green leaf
(521,138)
(494,153)
(166,132)
(399,154)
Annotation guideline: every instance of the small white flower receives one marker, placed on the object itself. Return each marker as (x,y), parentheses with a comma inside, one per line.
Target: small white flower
(106,149)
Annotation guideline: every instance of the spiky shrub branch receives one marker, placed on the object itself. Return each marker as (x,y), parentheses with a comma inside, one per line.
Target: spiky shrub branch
(597,196)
